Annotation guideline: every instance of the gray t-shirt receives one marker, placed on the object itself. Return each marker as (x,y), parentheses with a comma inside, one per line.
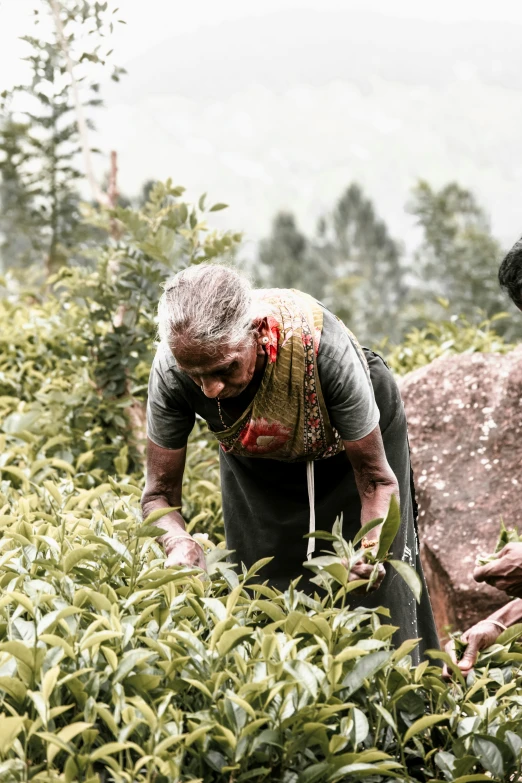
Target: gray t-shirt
(174,399)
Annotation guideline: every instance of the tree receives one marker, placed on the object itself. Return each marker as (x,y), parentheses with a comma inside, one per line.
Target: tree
(285,257)
(458,258)
(18,221)
(352,264)
(367,285)
(48,116)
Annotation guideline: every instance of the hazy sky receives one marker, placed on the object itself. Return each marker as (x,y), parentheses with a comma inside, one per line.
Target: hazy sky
(280,104)
(151,21)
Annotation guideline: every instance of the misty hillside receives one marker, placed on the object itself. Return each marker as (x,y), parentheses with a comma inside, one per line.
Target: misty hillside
(283,111)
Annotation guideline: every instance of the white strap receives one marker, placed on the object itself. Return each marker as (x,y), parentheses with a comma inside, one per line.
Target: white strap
(311,501)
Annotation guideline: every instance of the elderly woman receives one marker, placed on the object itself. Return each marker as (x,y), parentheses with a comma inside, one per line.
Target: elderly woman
(310,425)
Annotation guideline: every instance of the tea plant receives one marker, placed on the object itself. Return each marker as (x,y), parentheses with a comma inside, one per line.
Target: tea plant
(334,569)
(453,334)
(115,669)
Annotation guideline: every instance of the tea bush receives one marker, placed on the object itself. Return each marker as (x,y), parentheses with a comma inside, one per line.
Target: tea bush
(115,669)
(450,335)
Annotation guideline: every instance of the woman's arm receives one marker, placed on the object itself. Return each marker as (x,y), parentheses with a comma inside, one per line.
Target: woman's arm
(163,490)
(374,478)
(376,483)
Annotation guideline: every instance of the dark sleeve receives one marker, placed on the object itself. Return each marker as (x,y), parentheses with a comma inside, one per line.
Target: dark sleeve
(170,417)
(346,386)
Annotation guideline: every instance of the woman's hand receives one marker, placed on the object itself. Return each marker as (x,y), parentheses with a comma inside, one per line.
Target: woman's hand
(363,570)
(183,550)
(505,572)
(477,638)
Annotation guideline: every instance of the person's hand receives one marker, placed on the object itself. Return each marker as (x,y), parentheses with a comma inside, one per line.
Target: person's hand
(477,638)
(182,549)
(363,570)
(505,572)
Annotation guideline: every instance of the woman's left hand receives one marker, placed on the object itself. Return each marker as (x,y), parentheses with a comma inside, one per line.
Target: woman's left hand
(363,570)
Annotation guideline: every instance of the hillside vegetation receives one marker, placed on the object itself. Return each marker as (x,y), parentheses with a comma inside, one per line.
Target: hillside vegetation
(115,669)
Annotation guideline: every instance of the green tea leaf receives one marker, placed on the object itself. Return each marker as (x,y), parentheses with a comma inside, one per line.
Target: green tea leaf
(390,528)
(78,554)
(511,634)
(19,651)
(10,728)
(489,755)
(364,669)
(230,638)
(425,723)
(472,779)
(158,514)
(14,687)
(410,576)
(110,748)
(365,529)
(149,531)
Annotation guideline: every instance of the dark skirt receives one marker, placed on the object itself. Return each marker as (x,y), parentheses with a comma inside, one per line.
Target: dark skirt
(266,512)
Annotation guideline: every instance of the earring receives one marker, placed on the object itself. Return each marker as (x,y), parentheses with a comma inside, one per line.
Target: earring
(264,340)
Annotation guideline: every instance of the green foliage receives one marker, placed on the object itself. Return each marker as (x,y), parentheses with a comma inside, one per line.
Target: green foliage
(48,389)
(507,536)
(454,335)
(74,361)
(341,264)
(366,287)
(359,271)
(120,294)
(115,669)
(39,133)
(288,259)
(78,359)
(334,569)
(19,220)
(459,257)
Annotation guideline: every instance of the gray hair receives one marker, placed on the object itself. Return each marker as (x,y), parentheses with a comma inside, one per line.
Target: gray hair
(207,304)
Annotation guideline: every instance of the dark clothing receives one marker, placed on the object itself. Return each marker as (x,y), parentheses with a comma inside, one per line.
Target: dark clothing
(266,511)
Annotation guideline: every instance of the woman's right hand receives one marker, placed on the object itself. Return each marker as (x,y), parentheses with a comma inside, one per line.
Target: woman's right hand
(185,551)
(364,570)
(181,548)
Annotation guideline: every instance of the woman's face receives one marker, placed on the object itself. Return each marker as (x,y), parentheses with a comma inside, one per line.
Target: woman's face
(222,373)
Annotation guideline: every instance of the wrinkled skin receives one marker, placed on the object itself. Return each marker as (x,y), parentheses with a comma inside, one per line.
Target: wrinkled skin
(505,572)
(229,372)
(364,571)
(478,637)
(182,551)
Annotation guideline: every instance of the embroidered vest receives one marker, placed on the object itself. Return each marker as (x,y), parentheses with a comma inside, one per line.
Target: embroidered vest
(287,419)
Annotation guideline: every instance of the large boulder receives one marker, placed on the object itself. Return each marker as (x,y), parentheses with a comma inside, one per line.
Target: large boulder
(465,421)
